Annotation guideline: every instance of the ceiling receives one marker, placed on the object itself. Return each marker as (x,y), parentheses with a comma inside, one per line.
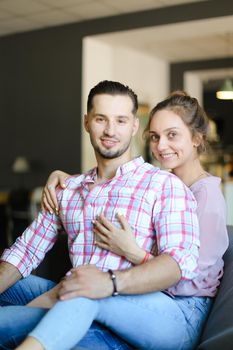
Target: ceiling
(201,39)
(24,15)
(193,40)
(186,41)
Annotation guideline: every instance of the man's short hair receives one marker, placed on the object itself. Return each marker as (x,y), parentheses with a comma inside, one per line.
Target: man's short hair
(112,88)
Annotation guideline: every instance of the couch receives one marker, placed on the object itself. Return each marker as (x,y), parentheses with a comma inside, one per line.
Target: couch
(218,331)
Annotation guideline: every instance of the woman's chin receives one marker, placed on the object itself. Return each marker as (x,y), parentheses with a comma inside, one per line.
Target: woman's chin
(168,165)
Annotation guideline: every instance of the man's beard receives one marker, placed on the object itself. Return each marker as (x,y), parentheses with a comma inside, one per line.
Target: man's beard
(109,154)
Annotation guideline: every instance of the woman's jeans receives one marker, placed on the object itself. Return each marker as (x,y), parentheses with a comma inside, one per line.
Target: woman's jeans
(17,321)
(149,321)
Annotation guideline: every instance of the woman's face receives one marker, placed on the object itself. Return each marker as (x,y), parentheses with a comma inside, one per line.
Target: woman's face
(171,142)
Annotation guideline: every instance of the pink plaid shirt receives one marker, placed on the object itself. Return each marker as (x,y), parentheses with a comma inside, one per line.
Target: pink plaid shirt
(157,205)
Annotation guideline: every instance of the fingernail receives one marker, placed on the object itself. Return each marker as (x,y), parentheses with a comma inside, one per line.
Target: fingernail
(119,213)
(99,212)
(63,185)
(51,212)
(68,273)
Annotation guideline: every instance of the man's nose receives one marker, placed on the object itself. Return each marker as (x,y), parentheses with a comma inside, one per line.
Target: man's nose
(109,129)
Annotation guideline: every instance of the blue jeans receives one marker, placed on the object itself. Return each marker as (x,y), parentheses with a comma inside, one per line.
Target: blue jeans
(150,321)
(17,320)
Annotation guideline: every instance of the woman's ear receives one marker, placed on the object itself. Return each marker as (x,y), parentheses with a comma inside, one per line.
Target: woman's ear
(197,140)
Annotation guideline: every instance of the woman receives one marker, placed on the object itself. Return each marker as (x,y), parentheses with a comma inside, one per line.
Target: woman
(177,130)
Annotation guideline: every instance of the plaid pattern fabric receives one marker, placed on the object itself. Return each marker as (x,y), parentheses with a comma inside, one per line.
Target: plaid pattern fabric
(159,208)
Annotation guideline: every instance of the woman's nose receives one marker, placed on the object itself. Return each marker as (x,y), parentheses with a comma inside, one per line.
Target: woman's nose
(162,144)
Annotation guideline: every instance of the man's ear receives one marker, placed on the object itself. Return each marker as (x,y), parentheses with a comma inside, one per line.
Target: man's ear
(135,126)
(85,122)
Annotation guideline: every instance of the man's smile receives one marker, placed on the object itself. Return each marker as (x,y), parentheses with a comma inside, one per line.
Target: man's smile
(108,142)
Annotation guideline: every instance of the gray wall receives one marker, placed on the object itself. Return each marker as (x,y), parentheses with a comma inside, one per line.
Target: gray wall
(40,87)
(40,84)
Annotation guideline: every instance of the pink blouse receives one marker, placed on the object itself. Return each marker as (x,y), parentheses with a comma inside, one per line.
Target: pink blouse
(211,212)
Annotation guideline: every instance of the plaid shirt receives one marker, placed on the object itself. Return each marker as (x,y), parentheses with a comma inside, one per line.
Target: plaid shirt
(157,205)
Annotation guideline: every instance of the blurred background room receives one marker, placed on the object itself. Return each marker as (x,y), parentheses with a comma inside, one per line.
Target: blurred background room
(53,51)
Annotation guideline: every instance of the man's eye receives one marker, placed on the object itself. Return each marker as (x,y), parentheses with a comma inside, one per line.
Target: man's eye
(99,119)
(171,135)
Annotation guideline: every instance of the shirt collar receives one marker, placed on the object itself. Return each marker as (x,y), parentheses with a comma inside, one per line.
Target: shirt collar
(129,166)
(121,170)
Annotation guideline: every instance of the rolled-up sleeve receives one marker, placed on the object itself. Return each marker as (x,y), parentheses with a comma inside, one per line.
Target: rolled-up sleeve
(176,226)
(30,248)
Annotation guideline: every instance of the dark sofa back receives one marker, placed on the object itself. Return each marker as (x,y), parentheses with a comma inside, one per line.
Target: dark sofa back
(218,332)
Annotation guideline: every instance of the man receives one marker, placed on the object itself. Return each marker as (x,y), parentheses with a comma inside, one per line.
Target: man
(159,208)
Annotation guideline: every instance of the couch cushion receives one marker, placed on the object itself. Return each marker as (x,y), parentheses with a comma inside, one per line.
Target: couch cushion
(218,332)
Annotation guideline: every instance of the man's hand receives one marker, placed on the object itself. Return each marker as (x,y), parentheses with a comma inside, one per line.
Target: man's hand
(49,198)
(85,281)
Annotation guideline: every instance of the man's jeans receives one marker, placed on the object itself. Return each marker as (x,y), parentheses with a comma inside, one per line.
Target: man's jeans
(17,321)
(150,321)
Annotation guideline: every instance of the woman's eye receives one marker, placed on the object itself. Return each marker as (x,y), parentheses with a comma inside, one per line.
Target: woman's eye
(154,138)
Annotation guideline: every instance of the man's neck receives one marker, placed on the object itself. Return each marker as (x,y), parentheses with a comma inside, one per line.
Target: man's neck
(107,167)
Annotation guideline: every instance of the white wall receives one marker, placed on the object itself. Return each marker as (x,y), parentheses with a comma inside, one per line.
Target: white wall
(146,75)
(193,86)
(97,66)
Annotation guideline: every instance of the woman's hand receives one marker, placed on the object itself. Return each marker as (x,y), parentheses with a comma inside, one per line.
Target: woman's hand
(120,241)
(49,198)
(47,299)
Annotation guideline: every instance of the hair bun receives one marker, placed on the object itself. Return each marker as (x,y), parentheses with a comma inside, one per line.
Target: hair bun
(179,93)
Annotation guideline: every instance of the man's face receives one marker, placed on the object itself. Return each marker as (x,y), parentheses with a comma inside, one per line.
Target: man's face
(111,125)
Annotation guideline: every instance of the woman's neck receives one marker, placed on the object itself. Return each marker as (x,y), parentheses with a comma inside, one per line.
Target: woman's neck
(190,173)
